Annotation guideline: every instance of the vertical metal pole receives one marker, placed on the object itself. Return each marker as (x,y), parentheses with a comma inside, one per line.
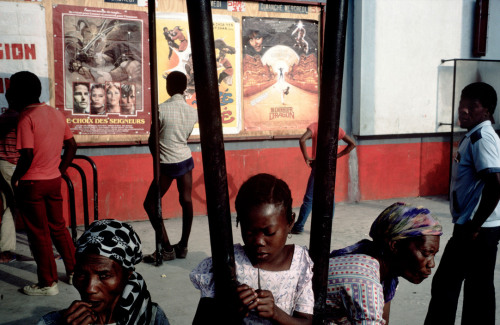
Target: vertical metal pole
(95,182)
(452,137)
(326,151)
(72,208)
(212,149)
(154,119)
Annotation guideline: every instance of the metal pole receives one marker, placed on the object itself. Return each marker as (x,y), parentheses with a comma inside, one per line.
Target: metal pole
(452,137)
(154,120)
(72,208)
(212,149)
(326,151)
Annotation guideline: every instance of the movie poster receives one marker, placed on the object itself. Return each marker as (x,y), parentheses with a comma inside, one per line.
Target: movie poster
(101,71)
(174,54)
(22,47)
(280,73)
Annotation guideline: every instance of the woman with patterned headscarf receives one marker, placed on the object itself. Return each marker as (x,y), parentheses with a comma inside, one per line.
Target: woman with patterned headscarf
(363,278)
(110,289)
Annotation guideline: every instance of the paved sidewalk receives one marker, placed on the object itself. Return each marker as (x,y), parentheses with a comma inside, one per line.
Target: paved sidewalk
(170,286)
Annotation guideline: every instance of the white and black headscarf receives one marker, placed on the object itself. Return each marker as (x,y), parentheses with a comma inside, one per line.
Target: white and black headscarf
(118,241)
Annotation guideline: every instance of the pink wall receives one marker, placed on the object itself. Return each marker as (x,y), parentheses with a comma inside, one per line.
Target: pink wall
(385,171)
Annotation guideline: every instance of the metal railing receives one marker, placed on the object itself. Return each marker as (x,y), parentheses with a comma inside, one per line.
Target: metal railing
(85,200)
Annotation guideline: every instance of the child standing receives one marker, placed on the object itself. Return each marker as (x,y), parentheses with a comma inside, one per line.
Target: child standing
(275,278)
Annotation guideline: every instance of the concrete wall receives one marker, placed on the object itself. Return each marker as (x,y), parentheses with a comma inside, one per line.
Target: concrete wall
(398,48)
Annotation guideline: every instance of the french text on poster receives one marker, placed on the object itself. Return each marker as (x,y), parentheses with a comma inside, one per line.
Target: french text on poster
(102,74)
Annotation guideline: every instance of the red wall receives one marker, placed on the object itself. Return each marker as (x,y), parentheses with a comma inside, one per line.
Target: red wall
(385,171)
(403,170)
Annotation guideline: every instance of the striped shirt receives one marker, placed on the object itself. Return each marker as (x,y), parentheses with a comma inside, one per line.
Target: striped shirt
(8,127)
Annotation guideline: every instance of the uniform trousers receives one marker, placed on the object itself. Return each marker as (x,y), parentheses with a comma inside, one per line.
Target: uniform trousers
(471,263)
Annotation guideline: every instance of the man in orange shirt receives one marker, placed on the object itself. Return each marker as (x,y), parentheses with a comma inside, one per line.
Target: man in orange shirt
(312,133)
(41,134)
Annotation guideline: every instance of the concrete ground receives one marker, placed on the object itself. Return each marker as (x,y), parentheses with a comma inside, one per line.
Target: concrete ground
(170,286)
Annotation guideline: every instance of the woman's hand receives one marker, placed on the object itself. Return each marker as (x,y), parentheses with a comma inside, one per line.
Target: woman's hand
(248,299)
(80,313)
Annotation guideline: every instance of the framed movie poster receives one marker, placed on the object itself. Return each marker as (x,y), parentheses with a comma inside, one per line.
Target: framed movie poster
(174,54)
(102,72)
(280,73)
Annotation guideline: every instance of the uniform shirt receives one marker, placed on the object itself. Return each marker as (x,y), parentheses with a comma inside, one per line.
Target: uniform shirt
(478,154)
(177,120)
(43,129)
(314,130)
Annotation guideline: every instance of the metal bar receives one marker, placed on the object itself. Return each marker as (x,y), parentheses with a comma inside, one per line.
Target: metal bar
(84,194)
(154,119)
(72,208)
(212,149)
(452,138)
(326,151)
(95,184)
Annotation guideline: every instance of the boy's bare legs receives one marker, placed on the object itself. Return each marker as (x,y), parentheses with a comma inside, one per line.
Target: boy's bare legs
(185,185)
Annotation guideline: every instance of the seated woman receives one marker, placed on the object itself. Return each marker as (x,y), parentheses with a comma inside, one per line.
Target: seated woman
(363,278)
(111,291)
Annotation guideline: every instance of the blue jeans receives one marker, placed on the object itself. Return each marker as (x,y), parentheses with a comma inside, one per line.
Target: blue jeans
(307,203)
(306,207)
(474,265)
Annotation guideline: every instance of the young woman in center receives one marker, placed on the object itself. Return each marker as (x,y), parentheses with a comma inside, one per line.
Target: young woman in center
(275,279)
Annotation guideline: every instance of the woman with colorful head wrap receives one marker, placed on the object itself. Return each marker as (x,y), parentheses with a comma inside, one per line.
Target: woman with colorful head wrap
(110,289)
(363,278)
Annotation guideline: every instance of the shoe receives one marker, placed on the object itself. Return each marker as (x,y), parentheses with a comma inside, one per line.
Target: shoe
(7,257)
(35,290)
(180,251)
(296,231)
(70,278)
(166,256)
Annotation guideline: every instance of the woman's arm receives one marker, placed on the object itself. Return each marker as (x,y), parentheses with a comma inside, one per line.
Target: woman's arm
(22,166)
(387,311)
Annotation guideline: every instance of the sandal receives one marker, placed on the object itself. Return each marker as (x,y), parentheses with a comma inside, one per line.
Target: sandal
(166,256)
(180,251)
